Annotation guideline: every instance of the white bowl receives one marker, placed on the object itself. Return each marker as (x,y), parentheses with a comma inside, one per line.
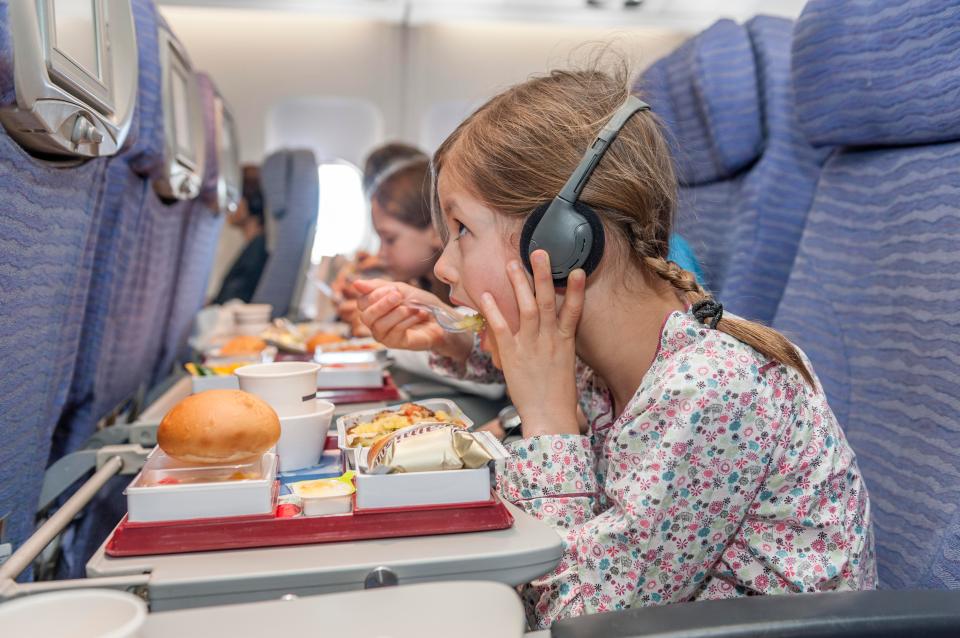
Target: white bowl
(290,387)
(81,613)
(302,437)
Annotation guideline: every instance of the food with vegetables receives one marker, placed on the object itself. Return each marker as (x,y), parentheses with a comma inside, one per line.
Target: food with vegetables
(386,422)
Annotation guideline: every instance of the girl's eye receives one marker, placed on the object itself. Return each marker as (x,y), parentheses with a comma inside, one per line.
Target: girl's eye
(461,230)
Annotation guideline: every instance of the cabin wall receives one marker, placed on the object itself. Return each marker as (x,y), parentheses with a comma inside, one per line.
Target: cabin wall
(260,58)
(421,78)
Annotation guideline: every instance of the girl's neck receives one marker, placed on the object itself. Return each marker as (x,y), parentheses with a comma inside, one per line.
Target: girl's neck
(619,334)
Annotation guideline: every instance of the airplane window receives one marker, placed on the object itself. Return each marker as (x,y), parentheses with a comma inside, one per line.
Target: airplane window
(343,223)
(76,33)
(181,113)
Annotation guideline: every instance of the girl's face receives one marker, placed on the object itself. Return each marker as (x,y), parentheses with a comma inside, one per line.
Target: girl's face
(406,251)
(474,260)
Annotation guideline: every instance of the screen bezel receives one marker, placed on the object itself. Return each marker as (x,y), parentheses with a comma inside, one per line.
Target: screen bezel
(230,155)
(179,66)
(95,90)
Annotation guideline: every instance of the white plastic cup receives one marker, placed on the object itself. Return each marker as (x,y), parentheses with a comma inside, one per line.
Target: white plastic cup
(80,613)
(290,387)
(302,437)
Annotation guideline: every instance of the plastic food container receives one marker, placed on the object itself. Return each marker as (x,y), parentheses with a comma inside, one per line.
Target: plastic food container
(167,490)
(350,375)
(357,456)
(417,489)
(215,382)
(325,497)
(356,345)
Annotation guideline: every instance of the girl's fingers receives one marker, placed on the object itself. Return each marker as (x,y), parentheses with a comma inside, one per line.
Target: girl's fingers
(378,308)
(546,294)
(388,322)
(375,295)
(395,334)
(573,303)
(366,286)
(526,303)
(495,321)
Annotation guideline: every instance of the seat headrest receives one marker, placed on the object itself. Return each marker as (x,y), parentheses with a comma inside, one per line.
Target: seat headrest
(279,174)
(878,73)
(146,152)
(211,168)
(705,92)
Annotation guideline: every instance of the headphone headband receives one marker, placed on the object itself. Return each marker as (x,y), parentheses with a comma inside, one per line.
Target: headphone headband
(570,192)
(569,230)
(392,169)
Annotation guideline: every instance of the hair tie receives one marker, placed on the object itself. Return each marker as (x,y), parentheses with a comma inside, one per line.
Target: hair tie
(707,308)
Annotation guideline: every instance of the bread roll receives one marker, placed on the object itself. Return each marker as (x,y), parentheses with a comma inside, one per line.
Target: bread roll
(219,426)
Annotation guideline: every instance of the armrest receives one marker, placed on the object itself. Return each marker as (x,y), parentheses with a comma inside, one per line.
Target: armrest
(930,613)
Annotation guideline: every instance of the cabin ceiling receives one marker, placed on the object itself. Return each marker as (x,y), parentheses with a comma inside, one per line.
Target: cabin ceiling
(683,15)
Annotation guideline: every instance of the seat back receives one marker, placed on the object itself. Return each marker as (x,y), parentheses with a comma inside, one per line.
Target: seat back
(874,297)
(49,221)
(776,194)
(144,298)
(106,371)
(705,93)
(290,184)
(201,230)
(139,247)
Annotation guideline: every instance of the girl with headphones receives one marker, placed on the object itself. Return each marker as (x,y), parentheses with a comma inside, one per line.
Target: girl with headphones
(711,465)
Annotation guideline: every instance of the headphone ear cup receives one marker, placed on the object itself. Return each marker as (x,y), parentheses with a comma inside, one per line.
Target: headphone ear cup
(526,235)
(599,238)
(596,247)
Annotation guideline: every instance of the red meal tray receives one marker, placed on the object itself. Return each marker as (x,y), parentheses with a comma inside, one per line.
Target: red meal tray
(388,393)
(213,534)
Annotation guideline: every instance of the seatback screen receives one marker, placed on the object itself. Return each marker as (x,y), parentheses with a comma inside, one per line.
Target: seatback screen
(75,28)
(179,92)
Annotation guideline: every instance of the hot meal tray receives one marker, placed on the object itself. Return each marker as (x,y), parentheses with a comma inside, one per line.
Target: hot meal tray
(213,534)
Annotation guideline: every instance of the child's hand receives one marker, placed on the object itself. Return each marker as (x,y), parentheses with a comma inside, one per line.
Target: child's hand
(396,325)
(539,361)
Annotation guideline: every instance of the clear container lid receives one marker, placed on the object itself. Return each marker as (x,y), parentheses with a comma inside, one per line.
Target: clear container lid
(161,469)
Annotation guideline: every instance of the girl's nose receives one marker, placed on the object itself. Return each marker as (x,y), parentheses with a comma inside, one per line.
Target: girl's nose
(444,269)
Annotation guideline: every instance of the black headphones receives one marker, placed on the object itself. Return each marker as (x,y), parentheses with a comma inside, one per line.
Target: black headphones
(569,230)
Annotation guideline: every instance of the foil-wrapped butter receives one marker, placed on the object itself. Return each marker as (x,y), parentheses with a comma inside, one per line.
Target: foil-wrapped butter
(428,447)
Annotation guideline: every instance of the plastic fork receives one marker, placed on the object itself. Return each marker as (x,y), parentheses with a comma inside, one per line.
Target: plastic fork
(448,320)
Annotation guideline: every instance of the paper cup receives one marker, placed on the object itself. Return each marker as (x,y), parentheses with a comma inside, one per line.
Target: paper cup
(290,387)
(81,613)
(302,437)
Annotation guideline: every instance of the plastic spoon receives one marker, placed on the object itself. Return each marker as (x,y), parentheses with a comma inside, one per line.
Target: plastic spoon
(448,320)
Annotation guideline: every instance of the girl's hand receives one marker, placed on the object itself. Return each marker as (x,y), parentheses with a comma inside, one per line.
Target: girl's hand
(539,360)
(396,325)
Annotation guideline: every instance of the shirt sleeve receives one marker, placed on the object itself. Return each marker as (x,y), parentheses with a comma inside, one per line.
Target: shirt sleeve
(478,367)
(677,485)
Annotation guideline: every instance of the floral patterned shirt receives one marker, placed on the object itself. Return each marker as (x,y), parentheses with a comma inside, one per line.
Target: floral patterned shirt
(726,475)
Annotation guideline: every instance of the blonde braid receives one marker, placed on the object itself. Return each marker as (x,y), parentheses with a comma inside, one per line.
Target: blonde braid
(766,341)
